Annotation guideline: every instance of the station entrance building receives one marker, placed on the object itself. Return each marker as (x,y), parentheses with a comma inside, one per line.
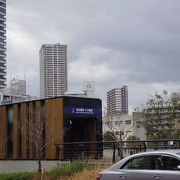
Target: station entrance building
(33,128)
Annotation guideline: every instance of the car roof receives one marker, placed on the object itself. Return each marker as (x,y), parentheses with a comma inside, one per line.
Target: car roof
(168,151)
(164,151)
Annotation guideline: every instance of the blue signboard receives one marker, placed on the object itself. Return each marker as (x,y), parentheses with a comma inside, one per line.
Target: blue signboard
(82,111)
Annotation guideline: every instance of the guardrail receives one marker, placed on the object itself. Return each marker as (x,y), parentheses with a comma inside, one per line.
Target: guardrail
(95,149)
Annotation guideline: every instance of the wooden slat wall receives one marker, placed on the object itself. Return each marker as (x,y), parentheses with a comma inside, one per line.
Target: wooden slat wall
(24,132)
(31,122)
(54,128)
(15,131)
(37,118)
(3,132)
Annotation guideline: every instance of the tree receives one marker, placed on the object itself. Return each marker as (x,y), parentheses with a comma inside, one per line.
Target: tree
(41,129)
(109,136)
(160,116)
(132,138)
(118,127)
(177,134)
(132,144)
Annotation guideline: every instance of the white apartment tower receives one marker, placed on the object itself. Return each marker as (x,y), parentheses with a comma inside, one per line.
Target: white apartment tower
(117,101)
(53,70)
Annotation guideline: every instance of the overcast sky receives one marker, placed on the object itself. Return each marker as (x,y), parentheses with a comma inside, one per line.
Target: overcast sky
(111,42)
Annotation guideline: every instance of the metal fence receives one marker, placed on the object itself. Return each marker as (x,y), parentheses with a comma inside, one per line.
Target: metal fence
(115,149)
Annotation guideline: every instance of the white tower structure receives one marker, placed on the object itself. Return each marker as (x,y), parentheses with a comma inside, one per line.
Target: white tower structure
(89,88)
(53,70)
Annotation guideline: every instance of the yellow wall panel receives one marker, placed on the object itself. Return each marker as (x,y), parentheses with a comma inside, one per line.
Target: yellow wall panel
(59,123)
(54,126)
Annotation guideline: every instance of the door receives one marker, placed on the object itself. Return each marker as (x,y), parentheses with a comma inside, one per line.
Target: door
(166,167)
(152,167)
(139,168)
(84,130)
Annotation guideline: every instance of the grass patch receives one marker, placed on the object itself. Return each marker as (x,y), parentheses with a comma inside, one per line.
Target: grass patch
(17,176)
(67,169)
(87,174)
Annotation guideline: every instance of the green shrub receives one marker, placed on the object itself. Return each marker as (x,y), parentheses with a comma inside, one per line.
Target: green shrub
(17,176)
(133,144)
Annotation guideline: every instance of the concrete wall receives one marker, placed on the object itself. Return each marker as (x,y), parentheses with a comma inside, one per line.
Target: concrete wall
(8,166)
(118,124)
(139,130)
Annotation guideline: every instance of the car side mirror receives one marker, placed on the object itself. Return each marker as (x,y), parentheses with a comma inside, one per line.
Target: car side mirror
(178,167)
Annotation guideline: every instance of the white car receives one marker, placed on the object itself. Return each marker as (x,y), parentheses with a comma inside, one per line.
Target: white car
(154,165)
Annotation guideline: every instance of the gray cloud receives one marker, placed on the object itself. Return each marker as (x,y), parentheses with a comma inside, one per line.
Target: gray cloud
(111,42)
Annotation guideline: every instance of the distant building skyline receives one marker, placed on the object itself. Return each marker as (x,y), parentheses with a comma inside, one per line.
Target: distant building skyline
(16,92)
(117,101)
(2,44)
(53,70)
(176,96)
(18,87)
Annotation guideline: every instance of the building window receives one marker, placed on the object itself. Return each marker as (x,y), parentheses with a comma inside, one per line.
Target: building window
(119,133)
(2,16)
(127,121)
(2,4)
(3,10)
(108,123)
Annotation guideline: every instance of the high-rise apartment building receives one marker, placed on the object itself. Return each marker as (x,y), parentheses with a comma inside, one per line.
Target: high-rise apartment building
(2,43)
(53,70)
(117,101)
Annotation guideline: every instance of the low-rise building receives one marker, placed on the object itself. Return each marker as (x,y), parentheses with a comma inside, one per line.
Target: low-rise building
(125,125)
(120,125)
(28,126)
